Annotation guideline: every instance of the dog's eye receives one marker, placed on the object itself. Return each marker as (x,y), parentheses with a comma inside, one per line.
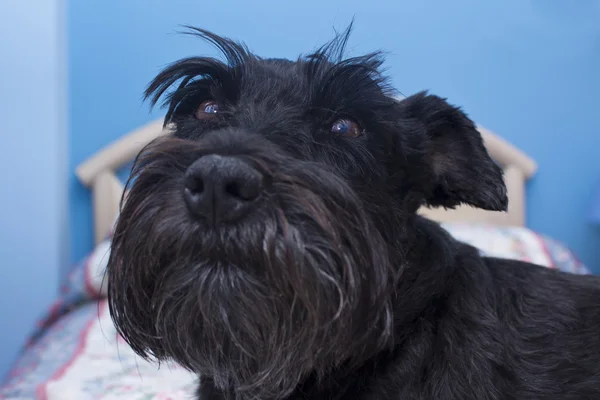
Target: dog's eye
(346,127)
(207,109)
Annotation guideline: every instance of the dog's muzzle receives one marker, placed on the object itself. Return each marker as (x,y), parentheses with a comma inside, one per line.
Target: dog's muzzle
(221,188)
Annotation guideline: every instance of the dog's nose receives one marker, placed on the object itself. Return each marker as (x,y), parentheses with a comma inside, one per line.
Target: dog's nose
(220,188)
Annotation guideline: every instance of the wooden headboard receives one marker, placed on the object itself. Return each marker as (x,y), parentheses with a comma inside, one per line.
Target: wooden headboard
(99,174)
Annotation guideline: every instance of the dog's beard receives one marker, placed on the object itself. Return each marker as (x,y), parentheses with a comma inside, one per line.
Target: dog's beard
(300,286)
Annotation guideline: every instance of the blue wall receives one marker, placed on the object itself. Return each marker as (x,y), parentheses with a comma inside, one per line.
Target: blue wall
(525,69)
(33,214)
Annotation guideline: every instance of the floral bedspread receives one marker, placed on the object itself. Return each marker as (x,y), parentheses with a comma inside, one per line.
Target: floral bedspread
(76,353)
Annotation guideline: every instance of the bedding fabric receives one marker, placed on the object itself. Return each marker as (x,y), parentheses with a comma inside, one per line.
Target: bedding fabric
(75,352)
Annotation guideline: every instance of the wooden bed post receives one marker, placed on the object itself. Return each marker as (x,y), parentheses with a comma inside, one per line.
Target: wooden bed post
(106,196)
(515,186)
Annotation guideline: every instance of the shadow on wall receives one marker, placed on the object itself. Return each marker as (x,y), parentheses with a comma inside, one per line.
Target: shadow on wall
(525,69)
(33,217)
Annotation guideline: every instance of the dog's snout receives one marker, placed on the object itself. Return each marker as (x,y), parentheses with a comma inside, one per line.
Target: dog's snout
(221,188)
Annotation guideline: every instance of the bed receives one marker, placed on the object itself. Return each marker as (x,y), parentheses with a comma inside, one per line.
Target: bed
(75,352)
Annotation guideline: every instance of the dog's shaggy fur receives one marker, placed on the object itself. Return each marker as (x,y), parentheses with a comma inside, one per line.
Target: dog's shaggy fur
(328,285)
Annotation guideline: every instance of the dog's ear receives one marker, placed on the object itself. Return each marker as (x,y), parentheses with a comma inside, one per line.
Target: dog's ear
(462,170)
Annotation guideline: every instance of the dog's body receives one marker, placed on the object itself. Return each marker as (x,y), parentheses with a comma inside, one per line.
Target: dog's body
(490,329)
(272,245)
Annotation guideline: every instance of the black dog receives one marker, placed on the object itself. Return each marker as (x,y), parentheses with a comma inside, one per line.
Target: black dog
(272,245)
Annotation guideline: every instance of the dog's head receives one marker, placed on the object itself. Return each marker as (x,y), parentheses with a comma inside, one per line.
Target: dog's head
(263,239)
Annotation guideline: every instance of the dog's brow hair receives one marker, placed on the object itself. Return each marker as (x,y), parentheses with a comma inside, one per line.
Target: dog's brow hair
(189,70)
(328,70)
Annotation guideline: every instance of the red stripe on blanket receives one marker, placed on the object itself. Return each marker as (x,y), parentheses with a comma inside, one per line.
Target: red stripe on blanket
(42,389)
(545,249)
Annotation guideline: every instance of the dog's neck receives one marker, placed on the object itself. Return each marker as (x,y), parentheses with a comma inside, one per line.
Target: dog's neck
(428,271)
(427,259)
